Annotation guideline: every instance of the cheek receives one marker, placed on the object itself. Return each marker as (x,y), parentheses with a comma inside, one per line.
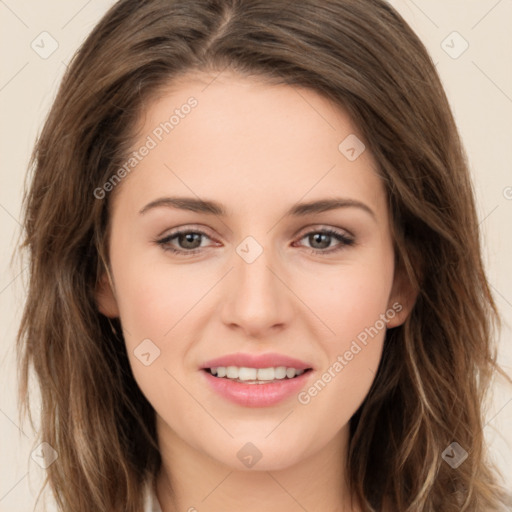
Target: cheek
(163,303)
(347,299)
(352,302)
(154,305)
(153,299)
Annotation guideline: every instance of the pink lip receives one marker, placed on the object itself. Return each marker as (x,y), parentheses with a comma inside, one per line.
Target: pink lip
(257,361)
(257,395)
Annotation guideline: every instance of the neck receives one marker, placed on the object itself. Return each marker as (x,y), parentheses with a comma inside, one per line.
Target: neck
(191,480)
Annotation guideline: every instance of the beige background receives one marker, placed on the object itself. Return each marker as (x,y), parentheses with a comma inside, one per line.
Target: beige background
(479,86)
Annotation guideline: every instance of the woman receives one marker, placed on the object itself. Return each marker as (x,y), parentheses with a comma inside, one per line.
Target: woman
(256,279)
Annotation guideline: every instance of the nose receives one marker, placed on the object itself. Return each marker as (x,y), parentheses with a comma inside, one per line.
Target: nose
(258,300)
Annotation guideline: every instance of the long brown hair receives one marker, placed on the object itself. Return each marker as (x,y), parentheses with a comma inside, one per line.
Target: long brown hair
(436,368)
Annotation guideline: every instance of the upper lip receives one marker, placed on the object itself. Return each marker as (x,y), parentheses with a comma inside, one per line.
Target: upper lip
(257,361)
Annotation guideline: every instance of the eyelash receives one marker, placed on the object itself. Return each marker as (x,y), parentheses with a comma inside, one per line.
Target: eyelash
(342,238)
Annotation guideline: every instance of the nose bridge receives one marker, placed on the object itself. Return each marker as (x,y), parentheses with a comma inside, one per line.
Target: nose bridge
(257,299)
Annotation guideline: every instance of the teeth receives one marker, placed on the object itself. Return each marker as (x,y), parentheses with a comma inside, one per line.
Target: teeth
(267,373)
(245,374)
(232,372)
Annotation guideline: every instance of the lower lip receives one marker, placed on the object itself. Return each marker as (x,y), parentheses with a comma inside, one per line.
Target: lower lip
(257,395)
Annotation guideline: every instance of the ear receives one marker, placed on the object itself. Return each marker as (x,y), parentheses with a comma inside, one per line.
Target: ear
(402,297)
(105,297)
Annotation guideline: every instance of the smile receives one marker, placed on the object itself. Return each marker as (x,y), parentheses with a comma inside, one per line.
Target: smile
(271,390)
(255,375)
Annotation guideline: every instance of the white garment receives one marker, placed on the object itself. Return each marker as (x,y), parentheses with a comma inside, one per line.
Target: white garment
(151,503)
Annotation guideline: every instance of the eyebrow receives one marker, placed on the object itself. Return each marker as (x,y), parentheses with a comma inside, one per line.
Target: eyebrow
(215,208)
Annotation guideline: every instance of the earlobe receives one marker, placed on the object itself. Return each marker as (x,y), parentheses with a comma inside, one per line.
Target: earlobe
(105,298)
(402,299)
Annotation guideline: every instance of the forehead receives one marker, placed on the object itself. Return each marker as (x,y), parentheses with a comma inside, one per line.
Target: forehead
(250,143)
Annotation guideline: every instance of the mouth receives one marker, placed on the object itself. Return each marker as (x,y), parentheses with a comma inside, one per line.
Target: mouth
(256,387)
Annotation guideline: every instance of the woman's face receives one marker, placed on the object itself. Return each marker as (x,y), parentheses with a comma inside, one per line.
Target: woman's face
(259,278)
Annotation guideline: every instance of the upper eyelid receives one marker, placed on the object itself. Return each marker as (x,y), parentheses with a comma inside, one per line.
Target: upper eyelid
(324,227)
(185,229)
(199,228)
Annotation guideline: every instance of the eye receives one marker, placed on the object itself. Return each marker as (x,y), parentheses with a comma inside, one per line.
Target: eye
(188,240)
(321,240)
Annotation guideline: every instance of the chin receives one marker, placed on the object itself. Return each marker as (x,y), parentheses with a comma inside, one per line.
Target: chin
(260,454)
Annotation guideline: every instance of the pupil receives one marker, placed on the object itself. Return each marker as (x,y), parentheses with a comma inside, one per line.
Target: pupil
(317,237)
(189,240)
